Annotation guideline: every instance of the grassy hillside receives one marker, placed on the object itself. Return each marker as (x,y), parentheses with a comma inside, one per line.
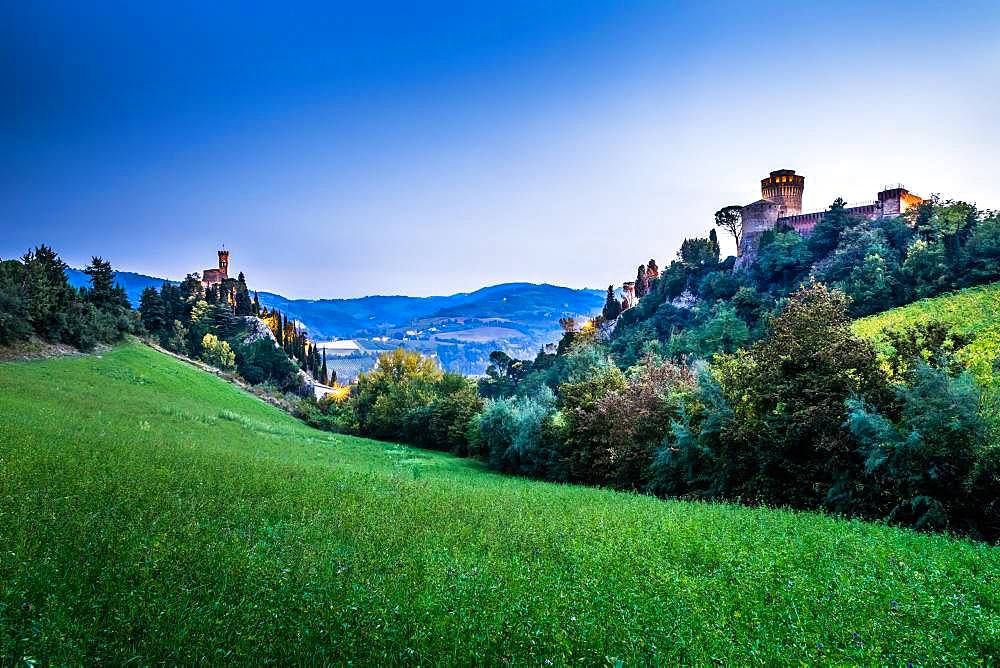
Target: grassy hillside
(152,513)
(974,312)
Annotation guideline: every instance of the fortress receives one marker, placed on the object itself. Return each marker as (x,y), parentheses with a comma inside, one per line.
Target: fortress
(781,205)
(215,276)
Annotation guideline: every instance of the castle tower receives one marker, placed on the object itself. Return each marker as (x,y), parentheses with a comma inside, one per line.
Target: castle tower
(224,263)
(784,187)
(896,200)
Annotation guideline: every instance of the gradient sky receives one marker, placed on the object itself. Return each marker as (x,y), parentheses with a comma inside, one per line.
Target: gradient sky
(431,148)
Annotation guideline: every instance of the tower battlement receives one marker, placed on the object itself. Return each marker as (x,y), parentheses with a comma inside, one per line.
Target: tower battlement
(784,187)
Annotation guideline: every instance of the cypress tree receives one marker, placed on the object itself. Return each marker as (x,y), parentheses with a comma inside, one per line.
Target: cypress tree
(324,373)
(714,239)
(612,308)
(641,282)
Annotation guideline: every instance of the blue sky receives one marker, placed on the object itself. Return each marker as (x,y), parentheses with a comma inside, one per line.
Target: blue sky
(429,148)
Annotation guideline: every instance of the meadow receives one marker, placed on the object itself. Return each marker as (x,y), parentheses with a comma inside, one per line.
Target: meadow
(150,513)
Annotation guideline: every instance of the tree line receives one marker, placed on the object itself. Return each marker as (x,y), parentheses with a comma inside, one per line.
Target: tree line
(37,299)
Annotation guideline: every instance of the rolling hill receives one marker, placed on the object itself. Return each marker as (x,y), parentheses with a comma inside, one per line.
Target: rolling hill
(973,312)
(531,309)
(152,513)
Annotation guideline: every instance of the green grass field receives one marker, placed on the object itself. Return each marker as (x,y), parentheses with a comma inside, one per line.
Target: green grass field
(152,513)
(973,312)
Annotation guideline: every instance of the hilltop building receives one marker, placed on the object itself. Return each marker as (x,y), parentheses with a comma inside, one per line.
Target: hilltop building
(211,277)
(781,204)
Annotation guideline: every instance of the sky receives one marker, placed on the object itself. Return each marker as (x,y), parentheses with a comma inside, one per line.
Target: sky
(346,149)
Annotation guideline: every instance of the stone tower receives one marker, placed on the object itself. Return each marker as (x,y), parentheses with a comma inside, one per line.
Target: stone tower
(224,263)
(784,187)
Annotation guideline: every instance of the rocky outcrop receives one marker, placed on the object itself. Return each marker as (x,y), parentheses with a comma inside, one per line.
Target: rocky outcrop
(258,330)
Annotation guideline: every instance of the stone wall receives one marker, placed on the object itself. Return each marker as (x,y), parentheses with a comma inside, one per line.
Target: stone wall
(758,217)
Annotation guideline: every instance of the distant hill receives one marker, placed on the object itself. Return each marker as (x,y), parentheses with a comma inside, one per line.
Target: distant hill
(527,307)
(460,329)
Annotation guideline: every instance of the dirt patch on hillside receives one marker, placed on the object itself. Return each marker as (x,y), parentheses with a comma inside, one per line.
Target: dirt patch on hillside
(35,349)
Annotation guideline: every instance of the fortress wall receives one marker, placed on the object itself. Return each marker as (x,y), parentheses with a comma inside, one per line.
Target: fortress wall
(782,203)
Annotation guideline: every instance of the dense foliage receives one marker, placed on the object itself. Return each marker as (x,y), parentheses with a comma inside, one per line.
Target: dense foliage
(36,298)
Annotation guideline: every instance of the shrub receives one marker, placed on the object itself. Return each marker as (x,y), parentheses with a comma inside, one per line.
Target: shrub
(925,461)
(787,442)
(217,353)
(510,434)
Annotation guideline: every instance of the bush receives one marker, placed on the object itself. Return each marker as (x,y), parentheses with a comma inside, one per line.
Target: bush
(217,353)
(925,462)
(787,443)
(510,435)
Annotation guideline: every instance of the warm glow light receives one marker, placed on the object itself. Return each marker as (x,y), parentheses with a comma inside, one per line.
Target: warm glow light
(340,392)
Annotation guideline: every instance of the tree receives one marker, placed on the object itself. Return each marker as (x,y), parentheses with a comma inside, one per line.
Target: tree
(217,352)
(730,219)
(403,381)
(787,442)
(627,422)
(222,321)
(722,332)
(178,339)
(191,289)
(504,374)
(47,293)
(865,267)
(201,324)
(927,270)
(263,362)
(14,325)
(713,238)
(174,306)
(698,253)
(652,271)
(926,461)
(256,304)
(825,236)
(103,293)
(244,306)
(612,307)
(783,258)
(324,374)
(641,282)
(982,251)
(152,312)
